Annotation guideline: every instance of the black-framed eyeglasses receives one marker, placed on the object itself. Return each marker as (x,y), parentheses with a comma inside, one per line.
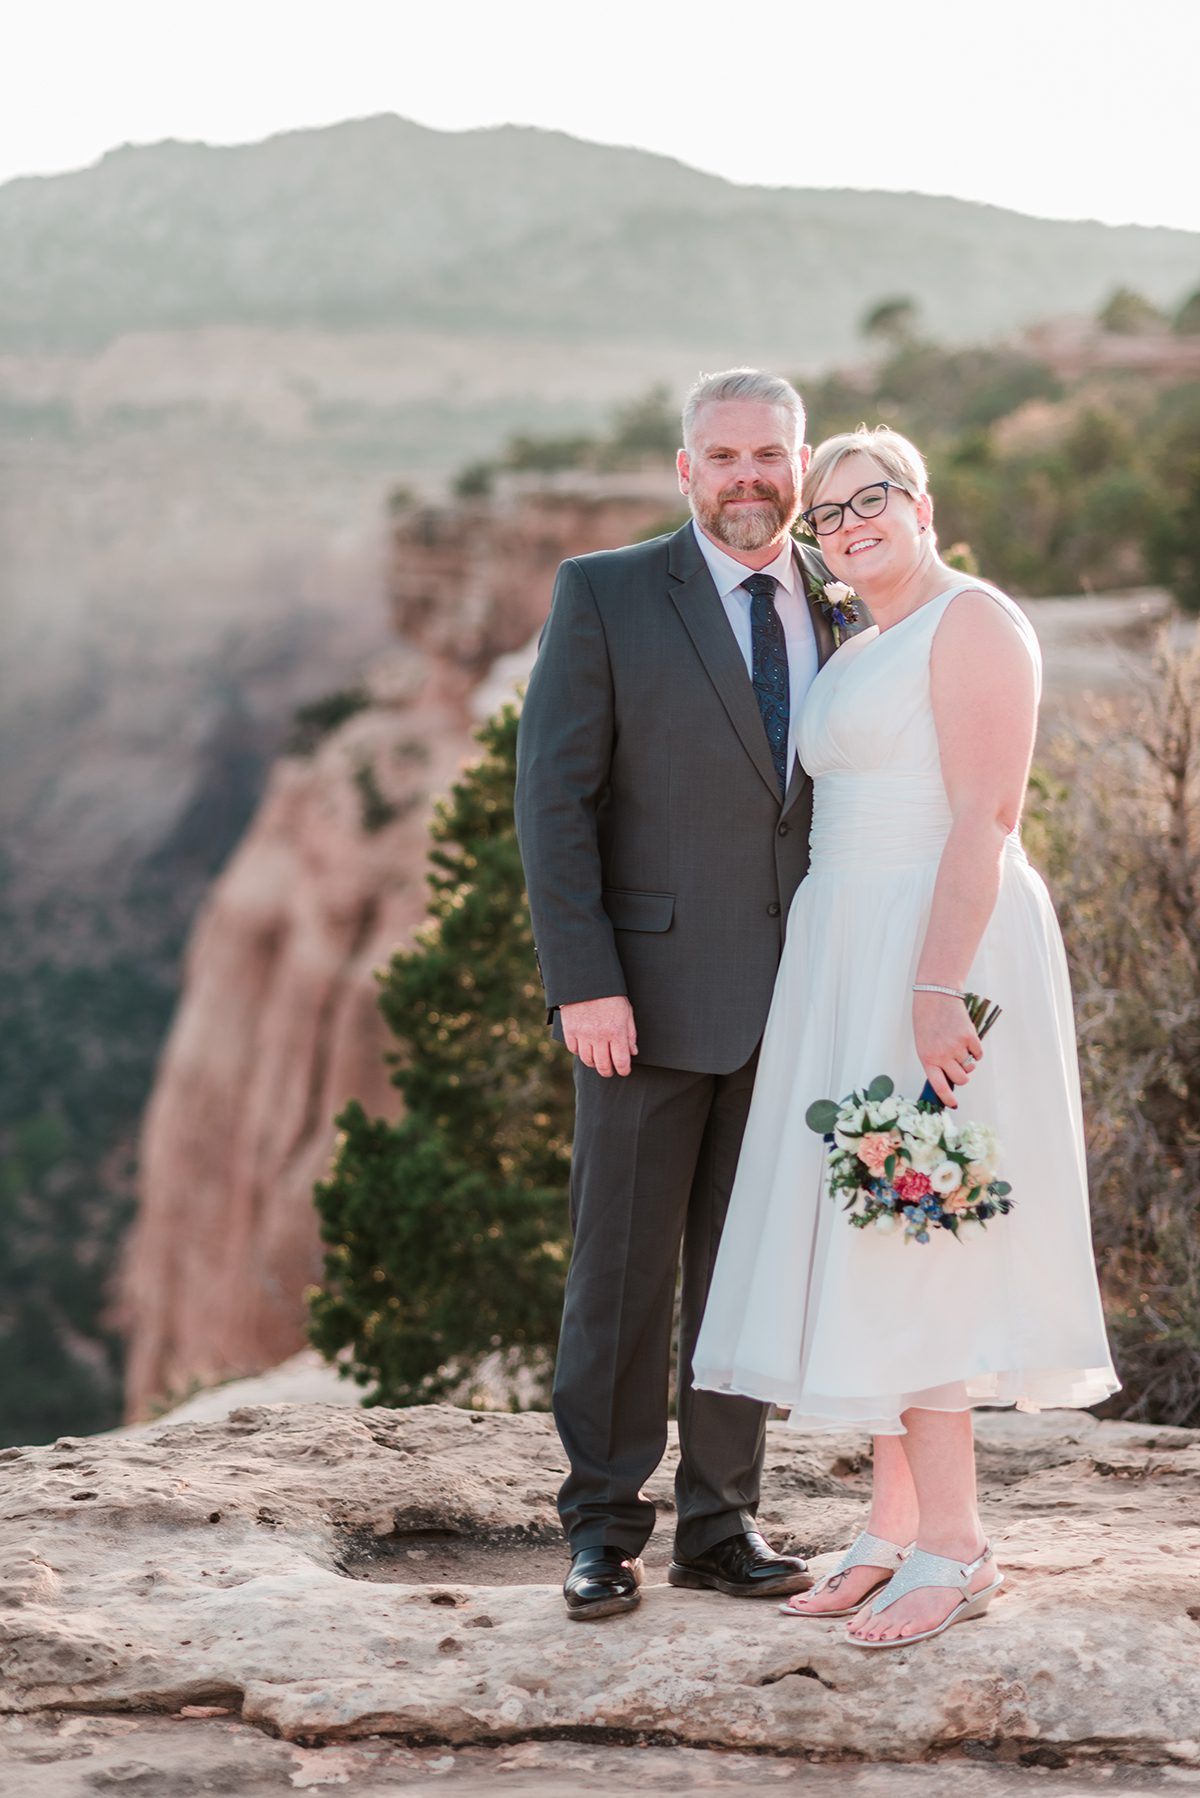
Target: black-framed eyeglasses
(868,502)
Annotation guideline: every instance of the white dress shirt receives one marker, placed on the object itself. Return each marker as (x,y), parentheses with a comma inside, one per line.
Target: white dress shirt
(794,615)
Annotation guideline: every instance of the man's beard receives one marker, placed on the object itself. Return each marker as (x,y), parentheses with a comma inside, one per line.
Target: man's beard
(741,529)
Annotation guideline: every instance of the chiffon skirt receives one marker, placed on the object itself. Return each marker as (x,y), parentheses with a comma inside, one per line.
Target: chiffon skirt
(849,1327)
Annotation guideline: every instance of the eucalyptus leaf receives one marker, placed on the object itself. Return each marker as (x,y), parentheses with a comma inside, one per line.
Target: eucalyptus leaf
(821,1116)
(880,1088)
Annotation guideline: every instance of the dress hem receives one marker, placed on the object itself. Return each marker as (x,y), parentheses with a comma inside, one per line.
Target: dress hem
(1090,1387)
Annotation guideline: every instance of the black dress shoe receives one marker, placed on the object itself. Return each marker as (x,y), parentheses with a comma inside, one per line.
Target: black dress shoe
(741,1566)
(602,1581)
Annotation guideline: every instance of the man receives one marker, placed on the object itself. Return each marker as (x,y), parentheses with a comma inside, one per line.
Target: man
(663,821)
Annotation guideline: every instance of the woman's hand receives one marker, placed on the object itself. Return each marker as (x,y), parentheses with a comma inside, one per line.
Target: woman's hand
(946,1043)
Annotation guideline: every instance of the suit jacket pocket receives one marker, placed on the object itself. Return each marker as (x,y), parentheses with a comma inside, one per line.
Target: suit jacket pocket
(638,911)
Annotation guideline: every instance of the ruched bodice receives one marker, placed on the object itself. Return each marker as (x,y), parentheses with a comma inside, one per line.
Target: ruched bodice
(890,822)
(846,1326)
(870,711)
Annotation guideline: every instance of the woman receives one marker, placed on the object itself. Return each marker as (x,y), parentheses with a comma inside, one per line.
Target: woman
(918,733)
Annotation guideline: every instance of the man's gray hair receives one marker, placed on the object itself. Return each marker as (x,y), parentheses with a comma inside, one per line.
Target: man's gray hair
(742,384)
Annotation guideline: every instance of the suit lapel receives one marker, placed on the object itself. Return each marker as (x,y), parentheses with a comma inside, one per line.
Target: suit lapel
(698,603)
(813,572)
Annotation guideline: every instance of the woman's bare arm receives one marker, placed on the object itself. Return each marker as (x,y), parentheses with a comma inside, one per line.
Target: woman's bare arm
(984,686)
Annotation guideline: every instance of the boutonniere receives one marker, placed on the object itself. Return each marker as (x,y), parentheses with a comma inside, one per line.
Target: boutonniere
(840,604)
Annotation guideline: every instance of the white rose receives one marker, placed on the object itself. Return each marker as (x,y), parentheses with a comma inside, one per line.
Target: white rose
(885,1113)
(946,1176)
(978,1143)
(952,1130)
(885,1223)
(927,1126)
(837,592)
(925,1156)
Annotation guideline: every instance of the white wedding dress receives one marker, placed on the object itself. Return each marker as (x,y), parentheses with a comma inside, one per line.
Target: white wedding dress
(844,1326)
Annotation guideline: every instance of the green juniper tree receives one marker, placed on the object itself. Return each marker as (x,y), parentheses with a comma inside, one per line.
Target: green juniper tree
(447,1232)
(1187,319)
(1129,313)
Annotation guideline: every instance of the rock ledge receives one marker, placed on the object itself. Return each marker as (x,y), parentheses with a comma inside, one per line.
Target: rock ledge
(329,1574)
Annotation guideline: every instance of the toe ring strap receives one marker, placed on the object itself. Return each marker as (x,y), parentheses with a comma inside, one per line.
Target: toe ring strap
(866,1551)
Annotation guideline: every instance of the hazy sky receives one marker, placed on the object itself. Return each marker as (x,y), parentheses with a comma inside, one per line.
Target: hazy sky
(1067,108)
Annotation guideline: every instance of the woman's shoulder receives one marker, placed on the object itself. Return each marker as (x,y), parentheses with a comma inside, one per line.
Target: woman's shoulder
(976,615)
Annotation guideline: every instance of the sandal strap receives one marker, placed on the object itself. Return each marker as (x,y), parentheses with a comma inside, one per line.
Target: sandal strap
(925,1569)
(870,1551)
(865,1551)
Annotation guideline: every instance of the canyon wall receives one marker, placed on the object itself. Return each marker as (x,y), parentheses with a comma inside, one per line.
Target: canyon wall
(277,1025)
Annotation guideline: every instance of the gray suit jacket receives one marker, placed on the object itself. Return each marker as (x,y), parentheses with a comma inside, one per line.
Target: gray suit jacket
(658,857)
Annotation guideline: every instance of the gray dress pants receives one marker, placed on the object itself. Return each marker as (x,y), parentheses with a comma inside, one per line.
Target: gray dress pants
(654,1160)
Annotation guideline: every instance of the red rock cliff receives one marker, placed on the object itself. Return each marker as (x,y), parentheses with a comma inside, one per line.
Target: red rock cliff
(277,1025)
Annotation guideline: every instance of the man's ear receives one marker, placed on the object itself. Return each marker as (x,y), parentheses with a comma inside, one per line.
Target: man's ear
(805,457)
(683,469)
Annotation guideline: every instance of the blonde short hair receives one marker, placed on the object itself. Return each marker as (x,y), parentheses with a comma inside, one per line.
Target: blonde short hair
(900,460)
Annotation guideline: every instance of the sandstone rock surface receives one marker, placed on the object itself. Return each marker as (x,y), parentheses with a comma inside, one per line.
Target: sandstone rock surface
(334,1576)
(63,1755)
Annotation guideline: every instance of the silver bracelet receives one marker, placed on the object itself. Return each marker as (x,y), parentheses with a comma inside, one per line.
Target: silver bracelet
(951,992)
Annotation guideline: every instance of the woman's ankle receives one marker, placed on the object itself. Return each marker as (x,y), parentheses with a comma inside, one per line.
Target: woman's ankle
(898,1526)
(963,1540)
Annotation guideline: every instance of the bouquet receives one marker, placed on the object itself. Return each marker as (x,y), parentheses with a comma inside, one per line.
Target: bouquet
(900,1163)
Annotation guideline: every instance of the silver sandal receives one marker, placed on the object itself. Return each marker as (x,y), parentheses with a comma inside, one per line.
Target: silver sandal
(922,1569)
(865,1551)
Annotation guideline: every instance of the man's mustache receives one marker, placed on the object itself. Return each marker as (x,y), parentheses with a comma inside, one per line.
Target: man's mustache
(760,490)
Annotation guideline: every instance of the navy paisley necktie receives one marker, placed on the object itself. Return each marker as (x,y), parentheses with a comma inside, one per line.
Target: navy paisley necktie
(769,669)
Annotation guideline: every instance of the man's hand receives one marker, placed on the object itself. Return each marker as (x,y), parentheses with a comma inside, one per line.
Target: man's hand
(602,1033)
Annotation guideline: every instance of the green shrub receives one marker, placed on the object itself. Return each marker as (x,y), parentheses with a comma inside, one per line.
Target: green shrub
(1118,827)
(375,809)
(1129,312)
(314,721)
(447,1232)
(1187,319)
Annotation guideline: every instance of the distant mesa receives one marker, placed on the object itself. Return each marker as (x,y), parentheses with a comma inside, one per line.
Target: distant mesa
(383,224)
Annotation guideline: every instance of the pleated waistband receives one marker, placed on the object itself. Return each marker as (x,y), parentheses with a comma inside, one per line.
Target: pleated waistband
(881,821)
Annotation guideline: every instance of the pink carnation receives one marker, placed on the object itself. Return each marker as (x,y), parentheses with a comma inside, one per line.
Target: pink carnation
(911,1186)
(874,1150)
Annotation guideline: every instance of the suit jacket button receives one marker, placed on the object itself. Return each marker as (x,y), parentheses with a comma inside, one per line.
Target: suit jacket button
(774,909)
(783,829)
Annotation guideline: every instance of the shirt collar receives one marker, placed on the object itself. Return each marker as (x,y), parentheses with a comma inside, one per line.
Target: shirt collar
(728,574)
